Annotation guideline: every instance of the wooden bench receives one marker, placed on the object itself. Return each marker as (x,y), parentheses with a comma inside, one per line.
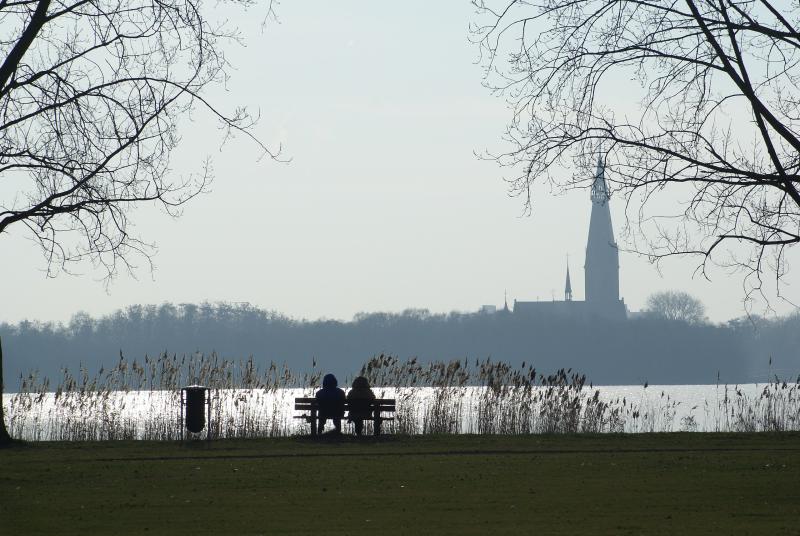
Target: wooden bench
(377,407)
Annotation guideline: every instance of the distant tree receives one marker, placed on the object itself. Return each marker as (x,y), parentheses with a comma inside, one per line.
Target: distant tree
(691,101)
(676,305)
(91,92)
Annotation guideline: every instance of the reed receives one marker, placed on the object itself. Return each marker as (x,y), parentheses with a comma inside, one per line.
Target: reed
(140,400)
(134,400)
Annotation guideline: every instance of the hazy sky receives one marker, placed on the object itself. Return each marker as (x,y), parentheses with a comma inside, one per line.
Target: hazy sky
(384,205)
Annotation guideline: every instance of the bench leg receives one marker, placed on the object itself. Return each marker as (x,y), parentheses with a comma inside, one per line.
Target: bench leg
(377,426)
(313,422)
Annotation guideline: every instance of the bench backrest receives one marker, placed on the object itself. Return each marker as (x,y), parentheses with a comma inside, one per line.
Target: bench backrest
(380,404)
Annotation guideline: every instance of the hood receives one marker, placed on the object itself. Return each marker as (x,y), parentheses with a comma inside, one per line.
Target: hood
(361,383)
(329,382)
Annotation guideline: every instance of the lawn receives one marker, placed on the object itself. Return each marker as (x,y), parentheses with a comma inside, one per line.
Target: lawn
(611,484)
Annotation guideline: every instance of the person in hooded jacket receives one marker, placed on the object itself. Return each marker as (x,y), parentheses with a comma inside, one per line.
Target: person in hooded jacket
(331,404)
(360,398)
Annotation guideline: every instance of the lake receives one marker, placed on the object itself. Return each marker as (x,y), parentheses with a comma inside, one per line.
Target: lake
(153,414)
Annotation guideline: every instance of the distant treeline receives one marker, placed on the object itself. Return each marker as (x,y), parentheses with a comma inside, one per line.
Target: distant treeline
(630,352)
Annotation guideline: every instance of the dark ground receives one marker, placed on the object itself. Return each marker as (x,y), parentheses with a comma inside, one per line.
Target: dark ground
(611,484)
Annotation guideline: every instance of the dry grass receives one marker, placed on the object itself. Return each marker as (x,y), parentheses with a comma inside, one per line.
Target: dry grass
(135,400)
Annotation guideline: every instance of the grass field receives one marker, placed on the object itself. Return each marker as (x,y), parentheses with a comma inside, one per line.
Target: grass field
(610,484)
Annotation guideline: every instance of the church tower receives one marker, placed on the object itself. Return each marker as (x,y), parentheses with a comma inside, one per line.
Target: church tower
(602,255)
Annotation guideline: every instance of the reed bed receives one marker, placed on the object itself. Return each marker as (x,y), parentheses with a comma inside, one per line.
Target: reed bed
(134,400)
(141,400)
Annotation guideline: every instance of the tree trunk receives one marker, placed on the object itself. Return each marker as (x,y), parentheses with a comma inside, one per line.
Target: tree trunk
(5,439)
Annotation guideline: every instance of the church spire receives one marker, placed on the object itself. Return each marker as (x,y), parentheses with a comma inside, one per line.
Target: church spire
(505,306)
(568,285)
(600,193)
(602,257)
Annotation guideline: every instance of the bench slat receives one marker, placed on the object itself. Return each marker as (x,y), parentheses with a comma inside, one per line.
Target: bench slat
(312,400)
(304,407)
(307,418)
(383,404)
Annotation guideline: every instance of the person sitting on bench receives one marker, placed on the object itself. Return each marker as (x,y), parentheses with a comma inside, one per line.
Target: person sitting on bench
(360,400)
(331,403)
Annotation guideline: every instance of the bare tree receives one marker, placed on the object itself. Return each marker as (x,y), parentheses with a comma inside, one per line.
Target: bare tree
(676,305)
(692,103)
(5,438)
(90,95)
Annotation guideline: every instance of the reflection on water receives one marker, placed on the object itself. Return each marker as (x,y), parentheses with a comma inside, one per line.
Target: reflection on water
(153,414)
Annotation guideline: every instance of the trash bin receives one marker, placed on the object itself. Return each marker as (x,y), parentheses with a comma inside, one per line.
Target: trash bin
(195,404)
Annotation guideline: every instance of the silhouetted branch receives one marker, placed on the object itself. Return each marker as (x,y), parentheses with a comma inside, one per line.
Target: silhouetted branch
(91,92)
(694,102)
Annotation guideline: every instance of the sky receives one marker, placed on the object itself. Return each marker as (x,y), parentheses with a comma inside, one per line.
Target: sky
(382,205)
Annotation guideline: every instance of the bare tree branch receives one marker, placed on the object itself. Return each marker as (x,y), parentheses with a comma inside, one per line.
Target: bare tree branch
(90,95)
(709,121)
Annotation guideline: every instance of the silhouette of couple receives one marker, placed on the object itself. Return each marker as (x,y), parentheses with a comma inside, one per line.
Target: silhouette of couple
(331,401)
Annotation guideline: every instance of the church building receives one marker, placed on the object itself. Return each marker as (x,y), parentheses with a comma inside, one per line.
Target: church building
(601,269)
